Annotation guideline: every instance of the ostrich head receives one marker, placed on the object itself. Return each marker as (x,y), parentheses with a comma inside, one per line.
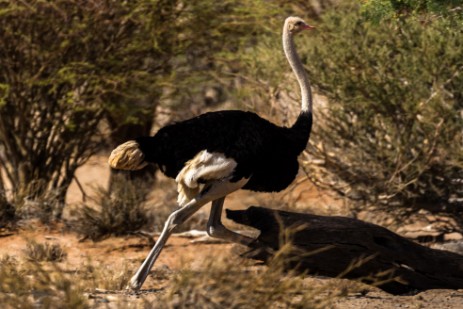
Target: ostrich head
(296,24)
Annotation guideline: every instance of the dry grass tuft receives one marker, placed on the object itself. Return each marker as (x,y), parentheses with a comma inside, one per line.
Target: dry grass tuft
(32,285)
(234,283)
(105,277)
(28,284)
(217,282)
(44,252)
(118,214)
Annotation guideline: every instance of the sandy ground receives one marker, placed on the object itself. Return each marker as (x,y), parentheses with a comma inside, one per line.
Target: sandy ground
(182,252)
(119,252)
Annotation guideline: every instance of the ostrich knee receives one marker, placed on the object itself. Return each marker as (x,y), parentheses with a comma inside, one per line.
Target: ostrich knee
(175,219)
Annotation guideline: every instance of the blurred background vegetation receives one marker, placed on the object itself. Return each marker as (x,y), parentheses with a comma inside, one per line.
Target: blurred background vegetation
(392,132)
(79,77)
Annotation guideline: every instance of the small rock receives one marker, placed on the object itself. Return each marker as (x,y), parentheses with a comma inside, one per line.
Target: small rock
(418,234)
(455,246)
(453,236)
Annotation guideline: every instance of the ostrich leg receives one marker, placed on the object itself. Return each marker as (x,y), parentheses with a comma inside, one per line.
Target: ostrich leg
(215,228)
(216,190)
(176,218)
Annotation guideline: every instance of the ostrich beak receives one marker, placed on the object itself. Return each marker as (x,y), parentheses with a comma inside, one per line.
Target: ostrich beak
(308,27)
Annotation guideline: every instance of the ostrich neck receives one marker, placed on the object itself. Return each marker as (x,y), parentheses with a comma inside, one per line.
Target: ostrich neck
(298,69)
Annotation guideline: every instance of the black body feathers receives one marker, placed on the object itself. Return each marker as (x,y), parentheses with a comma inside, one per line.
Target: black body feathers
(264,152)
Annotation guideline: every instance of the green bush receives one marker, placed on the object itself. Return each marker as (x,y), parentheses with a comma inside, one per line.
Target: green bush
(392,131)
(62,66)
(379,9)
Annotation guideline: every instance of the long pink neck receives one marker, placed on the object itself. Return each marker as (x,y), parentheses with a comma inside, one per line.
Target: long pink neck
(298,69)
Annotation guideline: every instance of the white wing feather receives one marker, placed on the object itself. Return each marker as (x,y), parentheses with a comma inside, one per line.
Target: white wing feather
(204,167)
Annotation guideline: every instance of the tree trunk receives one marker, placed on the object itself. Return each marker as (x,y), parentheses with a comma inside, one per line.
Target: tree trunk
(350,248)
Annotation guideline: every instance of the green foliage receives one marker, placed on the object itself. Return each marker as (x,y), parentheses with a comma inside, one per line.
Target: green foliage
(216,35)
(379,9)
(393,128)
(58,77)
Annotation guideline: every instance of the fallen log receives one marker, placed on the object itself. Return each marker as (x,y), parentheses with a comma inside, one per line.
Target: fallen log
(352,249)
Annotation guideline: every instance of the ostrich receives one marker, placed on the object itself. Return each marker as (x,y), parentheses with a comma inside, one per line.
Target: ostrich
(217,153)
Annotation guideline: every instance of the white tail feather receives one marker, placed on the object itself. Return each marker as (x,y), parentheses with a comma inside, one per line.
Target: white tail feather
(127,156)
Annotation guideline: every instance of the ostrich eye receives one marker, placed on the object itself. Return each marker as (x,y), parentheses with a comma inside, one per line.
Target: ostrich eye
(299,23)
